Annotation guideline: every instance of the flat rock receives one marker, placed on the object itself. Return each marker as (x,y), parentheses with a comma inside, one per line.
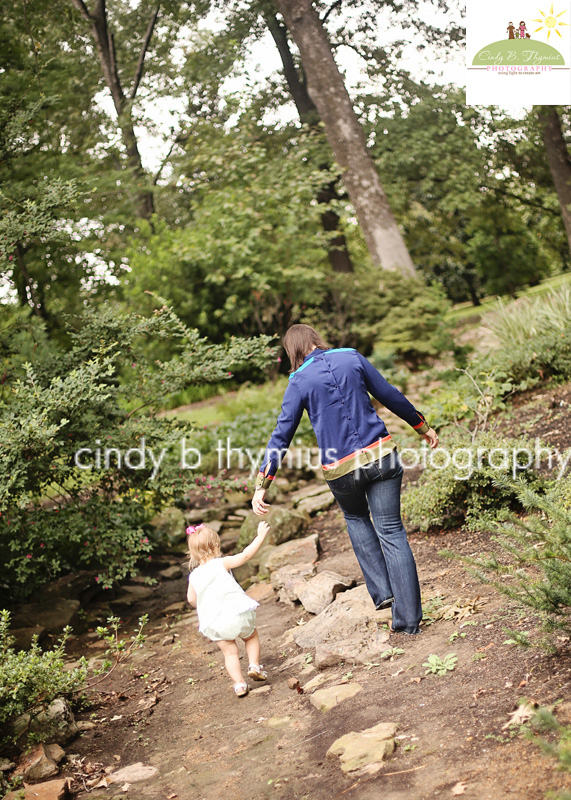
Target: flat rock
(311,490)
(348,629)
(176,608)
(363,752)
(285,524)
(315,683)
(320,591)
(299,551)
(289,579)
(133,773)
(171,573)
(50,790)
(319,502)
(138,591)
(79,585)
(229,539)
(53,614)
(23,636)
(85,725)
(326,699)
(38,764)
(261,591)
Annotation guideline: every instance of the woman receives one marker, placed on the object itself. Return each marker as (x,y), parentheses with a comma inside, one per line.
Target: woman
(359,461)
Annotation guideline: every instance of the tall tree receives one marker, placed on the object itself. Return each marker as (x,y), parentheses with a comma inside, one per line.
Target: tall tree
(122,99)
(339,256)
(558,159)
(346,137)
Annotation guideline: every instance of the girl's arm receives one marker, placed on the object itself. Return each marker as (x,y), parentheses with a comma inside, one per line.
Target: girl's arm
(191,595)
(231,562)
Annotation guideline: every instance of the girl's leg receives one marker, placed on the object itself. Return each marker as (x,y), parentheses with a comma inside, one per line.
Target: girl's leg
(231,660)
(253,648)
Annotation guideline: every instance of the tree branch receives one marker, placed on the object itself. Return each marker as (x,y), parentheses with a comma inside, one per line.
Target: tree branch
(331,8)
(143,53)
(82,8)
(176,141)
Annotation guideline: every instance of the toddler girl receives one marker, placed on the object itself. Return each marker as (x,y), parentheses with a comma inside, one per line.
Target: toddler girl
(225,612)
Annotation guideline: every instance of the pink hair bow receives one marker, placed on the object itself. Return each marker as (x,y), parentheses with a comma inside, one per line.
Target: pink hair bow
(193,529)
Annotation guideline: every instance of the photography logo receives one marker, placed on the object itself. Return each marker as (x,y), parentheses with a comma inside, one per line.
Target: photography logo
(528,61)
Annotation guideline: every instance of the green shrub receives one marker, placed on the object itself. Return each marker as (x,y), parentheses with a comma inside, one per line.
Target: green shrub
(533,563)
(535,336)
(31,679)
(544,721)
(459,493)
(56,516)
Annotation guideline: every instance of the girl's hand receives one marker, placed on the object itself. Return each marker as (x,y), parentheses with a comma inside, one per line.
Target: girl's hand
(258,505)
(263,529)
(431,437)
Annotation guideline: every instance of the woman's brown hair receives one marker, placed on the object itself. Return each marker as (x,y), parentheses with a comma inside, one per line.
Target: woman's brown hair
(299,340)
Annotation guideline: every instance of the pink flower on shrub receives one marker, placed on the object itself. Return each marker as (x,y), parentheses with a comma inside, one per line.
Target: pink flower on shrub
(29,555)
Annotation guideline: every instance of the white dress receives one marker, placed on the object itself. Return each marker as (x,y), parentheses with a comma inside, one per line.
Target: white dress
(225,612)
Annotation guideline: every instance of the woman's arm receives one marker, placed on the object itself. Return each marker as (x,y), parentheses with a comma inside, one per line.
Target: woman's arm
(231,562)
(286,426)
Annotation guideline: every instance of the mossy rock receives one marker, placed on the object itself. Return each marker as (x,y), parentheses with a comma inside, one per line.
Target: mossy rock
(285,524)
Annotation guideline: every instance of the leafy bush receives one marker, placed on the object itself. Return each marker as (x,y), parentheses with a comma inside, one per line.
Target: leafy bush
(472,397)
(54,515)
(535,336)
(465,490)
(544,721)
(533,565)
(31,679)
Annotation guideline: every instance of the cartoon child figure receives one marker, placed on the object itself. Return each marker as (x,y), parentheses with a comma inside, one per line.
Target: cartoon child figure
(510,29)
(522,30)
(517,33)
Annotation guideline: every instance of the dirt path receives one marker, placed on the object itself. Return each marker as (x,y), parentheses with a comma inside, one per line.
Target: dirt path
(175,709)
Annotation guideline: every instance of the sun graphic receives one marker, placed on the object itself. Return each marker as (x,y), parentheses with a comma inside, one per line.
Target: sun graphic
(550,22)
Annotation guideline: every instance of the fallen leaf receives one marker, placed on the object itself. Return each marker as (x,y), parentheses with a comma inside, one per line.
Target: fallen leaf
(415,680)
(522,714)
(398,672)
(459,788)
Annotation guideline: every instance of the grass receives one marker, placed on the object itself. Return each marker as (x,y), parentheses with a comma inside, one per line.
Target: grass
(463,310)
(226,407)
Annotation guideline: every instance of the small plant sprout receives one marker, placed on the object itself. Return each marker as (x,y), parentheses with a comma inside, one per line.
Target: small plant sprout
(308,658)
(440,666)
(118,650)
(392,653)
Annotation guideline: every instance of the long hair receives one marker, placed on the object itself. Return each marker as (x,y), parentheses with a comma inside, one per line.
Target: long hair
(298,341)
(203,544)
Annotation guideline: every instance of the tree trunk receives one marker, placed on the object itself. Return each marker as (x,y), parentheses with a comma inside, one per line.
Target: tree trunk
(558,160)
(339,257)
(105,46)
(346,137)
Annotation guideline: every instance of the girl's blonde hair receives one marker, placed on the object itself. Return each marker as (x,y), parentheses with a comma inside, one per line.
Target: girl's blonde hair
(203,544)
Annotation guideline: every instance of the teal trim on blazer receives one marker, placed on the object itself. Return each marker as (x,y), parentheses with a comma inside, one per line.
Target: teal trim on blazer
(303,366)
(340,350)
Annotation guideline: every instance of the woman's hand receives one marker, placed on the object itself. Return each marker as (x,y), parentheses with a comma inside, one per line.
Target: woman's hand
(258,505)
(431,437)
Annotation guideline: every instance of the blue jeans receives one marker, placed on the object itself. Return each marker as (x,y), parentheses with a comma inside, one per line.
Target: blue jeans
(369,498)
